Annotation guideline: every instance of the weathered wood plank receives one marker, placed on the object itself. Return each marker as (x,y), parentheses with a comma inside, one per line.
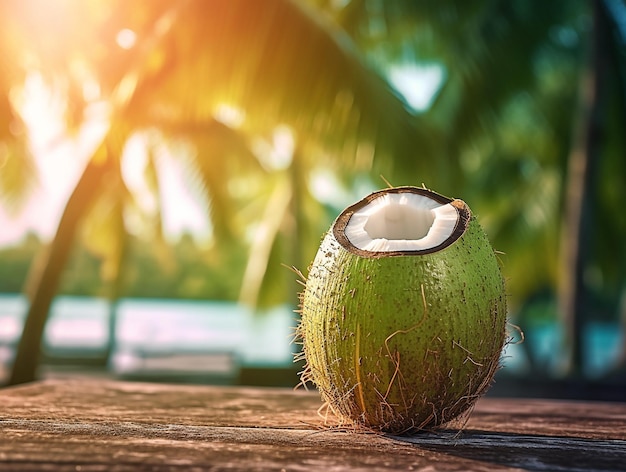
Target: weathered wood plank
(591,420)
(161,403)
(96,426)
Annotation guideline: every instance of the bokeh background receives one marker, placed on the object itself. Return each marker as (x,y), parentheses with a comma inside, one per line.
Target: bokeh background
(167,168)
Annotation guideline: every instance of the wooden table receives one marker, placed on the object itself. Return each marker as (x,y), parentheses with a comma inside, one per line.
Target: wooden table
(118,426)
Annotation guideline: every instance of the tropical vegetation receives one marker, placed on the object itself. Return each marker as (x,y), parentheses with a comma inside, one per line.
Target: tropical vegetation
(257,99)
(184,270)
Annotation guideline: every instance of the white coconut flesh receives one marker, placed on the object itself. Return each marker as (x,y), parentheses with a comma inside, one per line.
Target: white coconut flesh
(401,222)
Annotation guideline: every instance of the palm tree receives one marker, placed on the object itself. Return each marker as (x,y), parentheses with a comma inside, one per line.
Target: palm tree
(16,163)
(508,115)
(275,61)
(602,82)
(497,133)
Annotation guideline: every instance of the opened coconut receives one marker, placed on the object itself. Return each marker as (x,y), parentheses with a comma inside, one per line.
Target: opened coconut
(403,312)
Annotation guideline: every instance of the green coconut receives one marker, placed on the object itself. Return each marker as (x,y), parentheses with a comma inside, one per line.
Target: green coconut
(403,312)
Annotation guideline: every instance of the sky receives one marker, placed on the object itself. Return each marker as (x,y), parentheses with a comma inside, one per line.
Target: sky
(61,159)
(58,164)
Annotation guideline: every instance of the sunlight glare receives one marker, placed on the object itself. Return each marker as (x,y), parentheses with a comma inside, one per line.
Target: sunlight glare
(42,110)
(276,154)
(230,115)
(326,188)
(91,90)
(59,158)
(181,210)
(126,38)
(330,190)
(418,84)
(134,162)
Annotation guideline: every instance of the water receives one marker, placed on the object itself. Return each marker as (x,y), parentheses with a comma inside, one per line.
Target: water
(161,335)
(602,344)
(222,337)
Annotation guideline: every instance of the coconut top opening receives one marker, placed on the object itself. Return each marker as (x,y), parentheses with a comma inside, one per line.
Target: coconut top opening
(402,221)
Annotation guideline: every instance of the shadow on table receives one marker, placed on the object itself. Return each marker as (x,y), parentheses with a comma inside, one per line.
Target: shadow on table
(527,452)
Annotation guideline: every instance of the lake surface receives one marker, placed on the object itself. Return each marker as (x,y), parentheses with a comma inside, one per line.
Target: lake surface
(222,337)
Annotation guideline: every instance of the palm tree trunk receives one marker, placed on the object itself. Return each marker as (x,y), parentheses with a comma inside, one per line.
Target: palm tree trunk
(111,330)
(299,185)
(46,282)
(116,285)
(578,224)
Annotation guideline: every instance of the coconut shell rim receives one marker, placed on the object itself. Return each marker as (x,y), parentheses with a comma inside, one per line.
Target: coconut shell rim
(343,219)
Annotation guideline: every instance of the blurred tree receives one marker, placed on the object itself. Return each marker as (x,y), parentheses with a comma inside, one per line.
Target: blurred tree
(170,66)
(532,112)
(14,263)
(16,164)
(498,132)
(603,106)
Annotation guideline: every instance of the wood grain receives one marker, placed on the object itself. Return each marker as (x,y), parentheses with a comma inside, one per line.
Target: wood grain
(119,426)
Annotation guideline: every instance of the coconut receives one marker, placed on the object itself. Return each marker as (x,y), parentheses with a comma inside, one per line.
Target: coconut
(403,312)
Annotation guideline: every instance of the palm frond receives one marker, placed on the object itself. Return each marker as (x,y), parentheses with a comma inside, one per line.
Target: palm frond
(280,65)
(265,238)
(18,174)
(17,168)
(220,154)
(103,230)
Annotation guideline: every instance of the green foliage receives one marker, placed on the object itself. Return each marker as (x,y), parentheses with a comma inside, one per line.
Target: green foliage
(192,271)
(15,262)
(497,135)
